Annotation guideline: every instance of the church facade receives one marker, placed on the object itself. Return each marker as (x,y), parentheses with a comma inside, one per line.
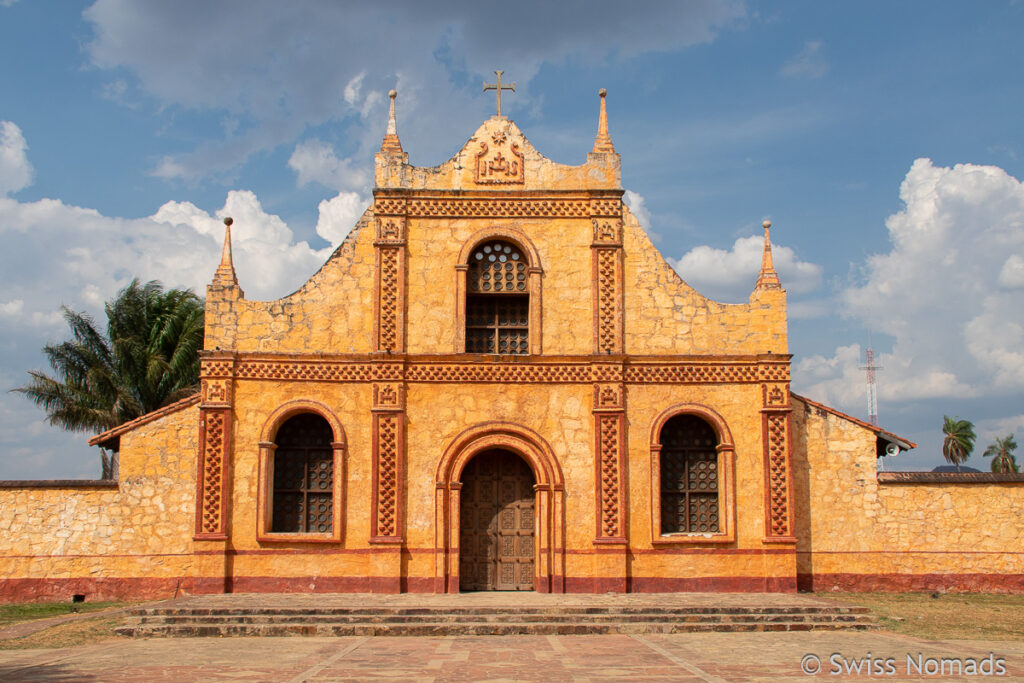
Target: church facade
(496,382)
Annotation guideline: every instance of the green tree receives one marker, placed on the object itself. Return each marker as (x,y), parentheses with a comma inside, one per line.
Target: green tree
(1001,453)
(148,358)
(959,440)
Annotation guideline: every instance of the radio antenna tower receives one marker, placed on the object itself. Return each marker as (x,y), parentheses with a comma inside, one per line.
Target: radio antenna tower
(870,367)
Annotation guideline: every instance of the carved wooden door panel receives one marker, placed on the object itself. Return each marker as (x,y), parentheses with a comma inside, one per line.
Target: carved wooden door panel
(496,544)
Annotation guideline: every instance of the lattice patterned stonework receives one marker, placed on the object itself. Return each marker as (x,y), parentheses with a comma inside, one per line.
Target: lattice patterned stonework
(606,207)
(388,314)
(778,476)
(389,207)
(323,371)
(607,301)
(387,474)
(211,512)
(687,374)
(499,208)
(210,367)
(504,373)
(608,431)
(585,372)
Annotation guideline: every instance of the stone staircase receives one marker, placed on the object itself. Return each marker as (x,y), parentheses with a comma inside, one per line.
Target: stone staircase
(195,619)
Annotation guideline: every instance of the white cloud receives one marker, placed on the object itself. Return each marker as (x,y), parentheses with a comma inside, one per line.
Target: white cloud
(808,63)
(15,170)
(730,275)
(55,253)
(1011,275)
(12,309)
(339,215)
(281,71)
(635,202)
(941,291)
(315,161)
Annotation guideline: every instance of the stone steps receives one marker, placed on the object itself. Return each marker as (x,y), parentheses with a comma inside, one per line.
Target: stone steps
(470,621)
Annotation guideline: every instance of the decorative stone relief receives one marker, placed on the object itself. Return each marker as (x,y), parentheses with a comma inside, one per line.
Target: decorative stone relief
(499,161)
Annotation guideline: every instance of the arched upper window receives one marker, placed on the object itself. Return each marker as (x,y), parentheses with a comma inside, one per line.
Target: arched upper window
(690,477)
(303,467)
(497,299)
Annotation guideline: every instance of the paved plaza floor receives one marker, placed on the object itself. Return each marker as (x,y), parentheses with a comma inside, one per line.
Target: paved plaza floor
(684,657)
(793,656)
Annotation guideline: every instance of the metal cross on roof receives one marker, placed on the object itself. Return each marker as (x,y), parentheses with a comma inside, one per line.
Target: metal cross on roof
(499,87)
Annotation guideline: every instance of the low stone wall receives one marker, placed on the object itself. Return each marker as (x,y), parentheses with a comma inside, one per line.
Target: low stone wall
(860,529)
(106,539)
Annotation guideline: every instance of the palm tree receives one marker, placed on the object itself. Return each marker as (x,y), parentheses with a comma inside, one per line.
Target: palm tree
(148,358)
(959,440)
(1001,453)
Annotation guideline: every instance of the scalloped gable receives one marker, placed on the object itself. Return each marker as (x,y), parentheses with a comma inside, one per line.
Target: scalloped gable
(499,157)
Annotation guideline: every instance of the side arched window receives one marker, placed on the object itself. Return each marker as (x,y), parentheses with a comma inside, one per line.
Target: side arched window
(689,476)
(303,499)
(497,299)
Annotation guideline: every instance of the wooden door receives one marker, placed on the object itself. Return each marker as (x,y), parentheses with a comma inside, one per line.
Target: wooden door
(496,543)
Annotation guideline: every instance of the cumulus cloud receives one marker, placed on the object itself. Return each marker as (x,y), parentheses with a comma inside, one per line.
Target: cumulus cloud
(60,254)
(637,207)
(315,162)
(339,215)
(730,275)
(280,71)
(15,170)
(808,63)
(947,291)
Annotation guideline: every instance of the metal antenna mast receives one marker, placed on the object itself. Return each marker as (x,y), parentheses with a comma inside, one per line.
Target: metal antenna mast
(870,367)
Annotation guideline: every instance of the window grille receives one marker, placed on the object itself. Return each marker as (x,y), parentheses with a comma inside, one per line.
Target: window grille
(689,476)
(497,301)
(304,476)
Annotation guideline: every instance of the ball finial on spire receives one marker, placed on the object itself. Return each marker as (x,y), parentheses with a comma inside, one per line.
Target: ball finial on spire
(391,143)
(768,278)
(603,141)
(228,221)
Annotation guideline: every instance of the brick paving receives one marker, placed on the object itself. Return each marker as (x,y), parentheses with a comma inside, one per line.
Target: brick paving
(686,657)
(655,657)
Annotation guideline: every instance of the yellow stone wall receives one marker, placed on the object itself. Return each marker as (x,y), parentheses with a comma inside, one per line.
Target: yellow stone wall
(846,524)
(857,532)
(141,529)
(333,313)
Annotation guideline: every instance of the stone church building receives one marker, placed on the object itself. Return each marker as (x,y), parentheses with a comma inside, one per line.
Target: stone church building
(496,382)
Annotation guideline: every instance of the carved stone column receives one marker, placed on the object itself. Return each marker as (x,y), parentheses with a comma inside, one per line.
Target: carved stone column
(611,485)
(212,481)
(388,477)
(776,437)
(389,309)
(213,474)
(606,257)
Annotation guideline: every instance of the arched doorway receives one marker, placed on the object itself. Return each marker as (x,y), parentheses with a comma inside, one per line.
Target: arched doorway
(497,523)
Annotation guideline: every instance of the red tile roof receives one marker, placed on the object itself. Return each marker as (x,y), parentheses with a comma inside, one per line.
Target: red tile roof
(111,434)
(896,438)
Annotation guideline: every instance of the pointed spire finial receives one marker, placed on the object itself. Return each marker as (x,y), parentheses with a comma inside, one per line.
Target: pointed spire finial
(225,275)
(768,278)
(603,141)
(391,143)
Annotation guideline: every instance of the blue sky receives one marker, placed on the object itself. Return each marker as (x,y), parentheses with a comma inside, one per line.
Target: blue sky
(883,140)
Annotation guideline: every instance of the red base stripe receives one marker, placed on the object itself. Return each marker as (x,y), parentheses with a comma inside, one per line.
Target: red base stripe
(967,583)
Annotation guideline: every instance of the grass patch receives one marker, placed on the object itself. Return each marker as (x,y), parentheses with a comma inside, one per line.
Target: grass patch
(944,616)
(71,634)
(30,611)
